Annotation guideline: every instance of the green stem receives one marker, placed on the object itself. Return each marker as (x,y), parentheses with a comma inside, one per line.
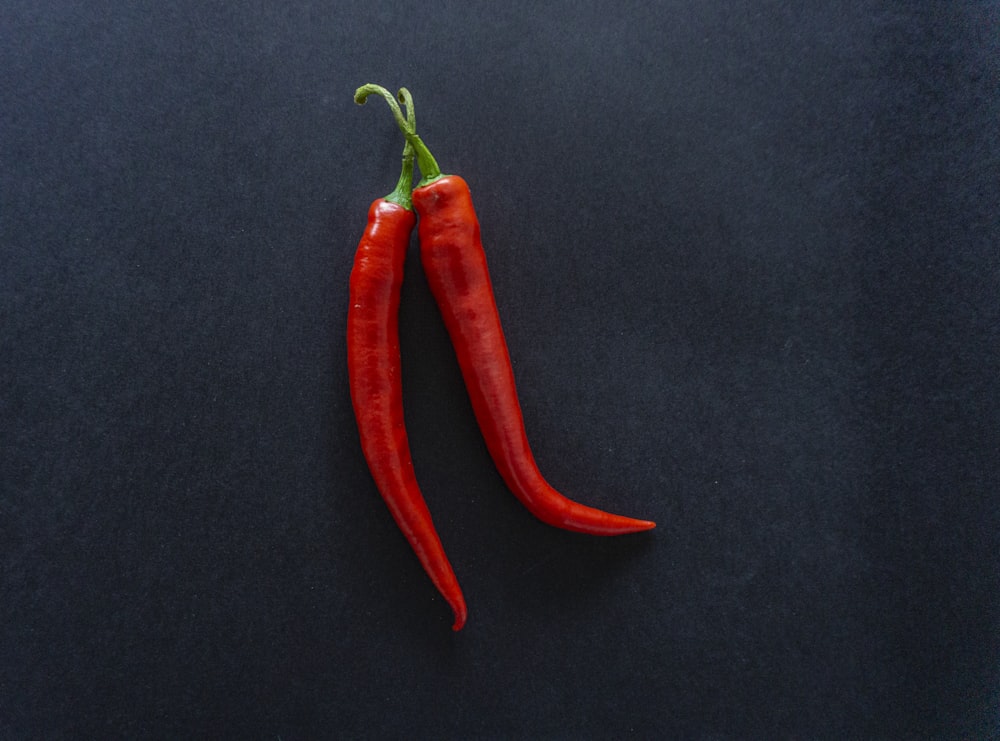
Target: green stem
(425,160)
(411,114)
(402,194)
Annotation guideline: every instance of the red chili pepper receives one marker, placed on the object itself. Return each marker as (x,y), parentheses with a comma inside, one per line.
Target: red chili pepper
(453,259)
(374,372)
(455,264)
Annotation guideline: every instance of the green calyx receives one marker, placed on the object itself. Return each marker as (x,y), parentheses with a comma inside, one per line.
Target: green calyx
(407,124)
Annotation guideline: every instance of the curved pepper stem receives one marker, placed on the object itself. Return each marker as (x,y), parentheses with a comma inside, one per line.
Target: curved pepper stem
(402,194)
(425,160)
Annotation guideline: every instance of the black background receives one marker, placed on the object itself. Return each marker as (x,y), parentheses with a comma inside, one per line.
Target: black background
(746,256)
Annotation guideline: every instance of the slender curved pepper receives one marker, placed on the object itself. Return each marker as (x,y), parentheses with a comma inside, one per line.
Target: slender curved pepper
(373,364)
(455,264)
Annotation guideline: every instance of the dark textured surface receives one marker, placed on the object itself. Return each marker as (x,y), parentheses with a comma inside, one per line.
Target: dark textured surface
(748,262)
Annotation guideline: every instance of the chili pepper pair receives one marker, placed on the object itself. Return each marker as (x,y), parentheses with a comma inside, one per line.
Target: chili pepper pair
(453,259)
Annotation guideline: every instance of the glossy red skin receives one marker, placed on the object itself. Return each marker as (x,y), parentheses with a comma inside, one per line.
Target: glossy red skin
(376,388)
(452,255)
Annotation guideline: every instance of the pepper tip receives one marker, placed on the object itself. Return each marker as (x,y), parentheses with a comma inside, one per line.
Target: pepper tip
(460,616)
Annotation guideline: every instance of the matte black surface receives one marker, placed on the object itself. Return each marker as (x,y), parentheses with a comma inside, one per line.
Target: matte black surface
(747,256)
